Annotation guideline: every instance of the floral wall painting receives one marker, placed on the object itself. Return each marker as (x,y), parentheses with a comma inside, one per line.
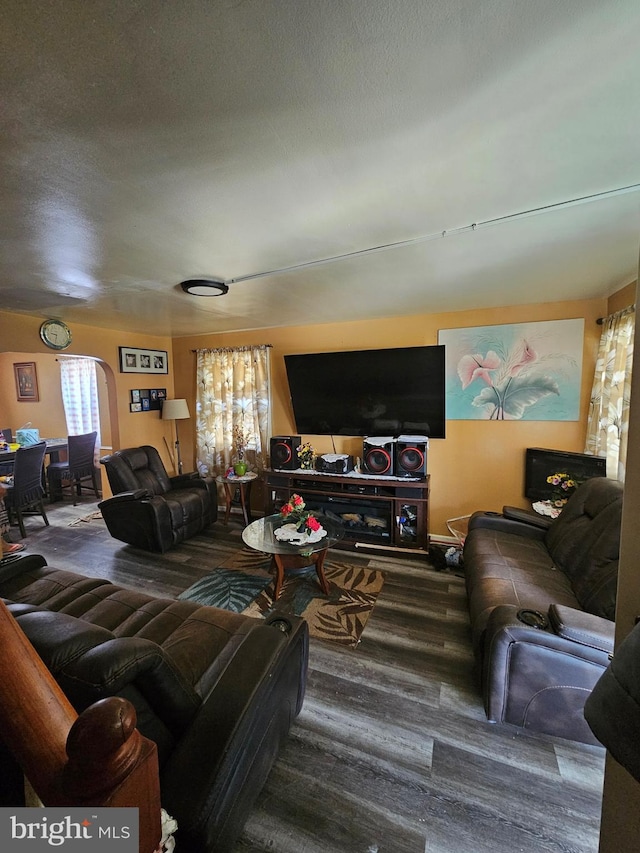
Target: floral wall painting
(521,371)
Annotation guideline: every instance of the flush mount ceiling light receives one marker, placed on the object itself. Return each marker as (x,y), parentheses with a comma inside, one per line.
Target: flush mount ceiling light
(204,287)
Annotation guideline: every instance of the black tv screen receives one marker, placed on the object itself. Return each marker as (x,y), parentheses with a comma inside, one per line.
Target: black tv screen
(541,463)
(369,392)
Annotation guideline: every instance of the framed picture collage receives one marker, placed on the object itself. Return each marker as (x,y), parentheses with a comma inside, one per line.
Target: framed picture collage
(147,399)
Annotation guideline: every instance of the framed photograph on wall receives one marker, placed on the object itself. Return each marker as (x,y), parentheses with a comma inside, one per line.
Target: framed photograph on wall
(136,360)
(147,399)
(26,382)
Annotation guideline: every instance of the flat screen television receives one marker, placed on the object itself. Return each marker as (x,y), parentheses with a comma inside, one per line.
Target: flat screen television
(398,391)
(541,463)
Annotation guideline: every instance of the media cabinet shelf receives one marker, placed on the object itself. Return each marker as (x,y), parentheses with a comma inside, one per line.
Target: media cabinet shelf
(377,512)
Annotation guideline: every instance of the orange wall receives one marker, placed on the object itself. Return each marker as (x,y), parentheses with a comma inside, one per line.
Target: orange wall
(20,341)
(480,465)
(48,410)
(622,298)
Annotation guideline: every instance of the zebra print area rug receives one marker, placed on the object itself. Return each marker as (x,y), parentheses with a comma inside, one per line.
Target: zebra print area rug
(244,584)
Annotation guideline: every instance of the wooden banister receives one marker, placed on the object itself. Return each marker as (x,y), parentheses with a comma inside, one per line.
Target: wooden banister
(35,715)
(112,764)
(98,758)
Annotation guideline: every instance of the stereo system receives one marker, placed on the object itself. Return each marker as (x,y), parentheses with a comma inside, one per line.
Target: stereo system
(335,463)
(401,456)
(284,452)
(382,456)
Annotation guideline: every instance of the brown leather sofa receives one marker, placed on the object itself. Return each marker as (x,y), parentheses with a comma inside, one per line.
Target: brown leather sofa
(151,510)
(541,597)
(215,690)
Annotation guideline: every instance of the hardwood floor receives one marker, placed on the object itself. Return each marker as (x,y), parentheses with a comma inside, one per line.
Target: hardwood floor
(392,752)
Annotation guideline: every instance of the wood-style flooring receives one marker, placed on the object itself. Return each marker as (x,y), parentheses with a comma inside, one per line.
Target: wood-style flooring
(392,752)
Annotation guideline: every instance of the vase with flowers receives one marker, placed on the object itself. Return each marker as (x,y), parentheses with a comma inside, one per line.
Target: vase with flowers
(564,485)
(306,455)
(301,525)
(240,440)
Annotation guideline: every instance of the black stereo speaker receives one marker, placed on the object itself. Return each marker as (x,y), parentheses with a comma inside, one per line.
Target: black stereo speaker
(378,456)
(284,452)
(411,458)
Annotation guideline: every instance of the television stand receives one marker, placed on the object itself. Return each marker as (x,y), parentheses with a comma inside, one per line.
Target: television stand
(378,513)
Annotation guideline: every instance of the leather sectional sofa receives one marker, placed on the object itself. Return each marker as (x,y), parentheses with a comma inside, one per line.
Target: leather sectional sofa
(215,690)
(541,597)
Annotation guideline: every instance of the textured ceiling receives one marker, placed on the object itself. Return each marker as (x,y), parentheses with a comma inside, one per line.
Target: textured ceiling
(146,142)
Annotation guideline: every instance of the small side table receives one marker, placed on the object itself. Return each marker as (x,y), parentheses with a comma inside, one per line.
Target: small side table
(243,484)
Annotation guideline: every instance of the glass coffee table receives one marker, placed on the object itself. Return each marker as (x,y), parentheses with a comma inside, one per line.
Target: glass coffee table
(288,558)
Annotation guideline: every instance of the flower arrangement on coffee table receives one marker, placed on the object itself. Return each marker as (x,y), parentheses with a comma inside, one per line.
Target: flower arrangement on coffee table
(302,525)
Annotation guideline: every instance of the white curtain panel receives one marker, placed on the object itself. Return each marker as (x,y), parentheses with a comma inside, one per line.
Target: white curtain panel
(79,385)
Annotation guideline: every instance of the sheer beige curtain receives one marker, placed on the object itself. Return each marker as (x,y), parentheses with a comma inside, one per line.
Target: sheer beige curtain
(233,395)
(608,424)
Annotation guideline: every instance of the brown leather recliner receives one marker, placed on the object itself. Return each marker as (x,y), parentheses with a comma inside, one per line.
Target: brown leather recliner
(151,510)
(217,691)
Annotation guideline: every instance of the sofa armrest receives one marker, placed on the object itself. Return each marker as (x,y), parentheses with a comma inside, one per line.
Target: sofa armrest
(220,764)
(497,521)
(195,481)
(529,673)
(140,519)
(22,564)
(583,628)
(527,516)
(186,481)
(126,497)
(505,627)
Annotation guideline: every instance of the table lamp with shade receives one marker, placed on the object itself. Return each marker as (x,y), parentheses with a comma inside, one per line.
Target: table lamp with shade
(176,410)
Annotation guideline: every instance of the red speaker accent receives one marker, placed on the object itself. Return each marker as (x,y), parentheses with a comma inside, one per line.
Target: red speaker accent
(284,452)
(377,456)
(411,458)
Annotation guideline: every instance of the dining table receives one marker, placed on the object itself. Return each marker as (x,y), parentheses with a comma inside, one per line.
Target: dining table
(55,446)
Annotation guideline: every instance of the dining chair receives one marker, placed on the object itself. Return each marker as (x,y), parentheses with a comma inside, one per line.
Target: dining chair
(26,492)
(6,468)
(79,467)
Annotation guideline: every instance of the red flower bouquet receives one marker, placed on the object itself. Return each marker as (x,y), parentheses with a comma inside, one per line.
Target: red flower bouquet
(294,512)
